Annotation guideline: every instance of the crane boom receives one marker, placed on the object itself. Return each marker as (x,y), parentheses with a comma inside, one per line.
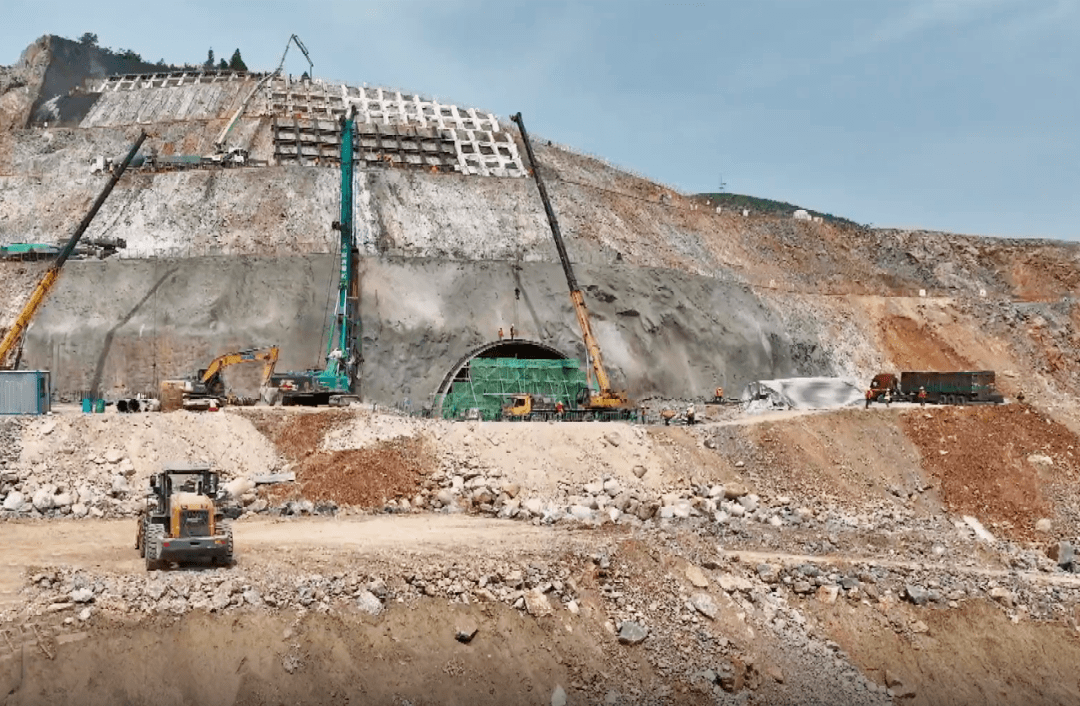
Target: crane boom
(219,143)
(339,344)
(340,378)
(48,280)
(607,396)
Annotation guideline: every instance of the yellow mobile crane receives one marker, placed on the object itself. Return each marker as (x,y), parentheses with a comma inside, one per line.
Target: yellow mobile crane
(10,347)
(607,398)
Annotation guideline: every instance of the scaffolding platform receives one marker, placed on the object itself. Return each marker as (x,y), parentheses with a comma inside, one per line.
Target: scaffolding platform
(486,384)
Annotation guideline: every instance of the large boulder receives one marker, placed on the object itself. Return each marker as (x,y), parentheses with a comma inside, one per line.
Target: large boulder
(631,633)
(43,499)
(237,487)
(14,501)
(367,602)
(120,486)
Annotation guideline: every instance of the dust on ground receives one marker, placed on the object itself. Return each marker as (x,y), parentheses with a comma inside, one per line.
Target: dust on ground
(972,655)
(408,656)
(1000,464)
(310,543)
(854,456)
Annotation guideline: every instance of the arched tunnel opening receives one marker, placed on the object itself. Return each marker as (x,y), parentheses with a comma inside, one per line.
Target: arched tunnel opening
(485,379)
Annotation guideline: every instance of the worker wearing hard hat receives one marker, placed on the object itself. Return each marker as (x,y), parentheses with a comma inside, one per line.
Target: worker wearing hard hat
(922,396)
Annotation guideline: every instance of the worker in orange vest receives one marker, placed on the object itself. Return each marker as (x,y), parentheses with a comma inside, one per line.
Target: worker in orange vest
(922,396)
(869,397)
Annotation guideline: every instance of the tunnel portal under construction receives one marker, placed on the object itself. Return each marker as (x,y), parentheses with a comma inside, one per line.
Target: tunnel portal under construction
(488,376)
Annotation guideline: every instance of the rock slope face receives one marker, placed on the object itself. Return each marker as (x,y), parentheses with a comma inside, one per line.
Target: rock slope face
(685,298)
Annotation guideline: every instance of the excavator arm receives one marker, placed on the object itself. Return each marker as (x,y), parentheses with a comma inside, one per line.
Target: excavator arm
(11,340)
(210,376)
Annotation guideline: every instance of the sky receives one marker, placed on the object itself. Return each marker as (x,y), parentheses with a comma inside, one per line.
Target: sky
(952,115)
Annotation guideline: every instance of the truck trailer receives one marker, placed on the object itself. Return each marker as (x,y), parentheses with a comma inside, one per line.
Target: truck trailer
(969,387)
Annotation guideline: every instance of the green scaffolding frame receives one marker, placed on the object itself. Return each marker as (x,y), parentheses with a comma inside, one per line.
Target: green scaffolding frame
(490,382)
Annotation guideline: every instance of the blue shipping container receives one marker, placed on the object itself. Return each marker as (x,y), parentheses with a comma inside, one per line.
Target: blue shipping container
(24,392)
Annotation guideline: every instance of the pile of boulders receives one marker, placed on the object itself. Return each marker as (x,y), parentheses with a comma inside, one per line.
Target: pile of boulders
(933,587)
(10,445)
(104,490)
(536,588)
(605,500)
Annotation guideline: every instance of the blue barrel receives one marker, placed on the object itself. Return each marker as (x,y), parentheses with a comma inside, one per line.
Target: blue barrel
(99,406)
(87,405)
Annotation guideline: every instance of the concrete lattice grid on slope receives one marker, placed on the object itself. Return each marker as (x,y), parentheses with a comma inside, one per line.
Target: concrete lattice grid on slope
(481,146)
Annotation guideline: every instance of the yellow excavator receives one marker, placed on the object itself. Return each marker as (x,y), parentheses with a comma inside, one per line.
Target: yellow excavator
(11,345)
(606,398)
(211,376)
(207,388)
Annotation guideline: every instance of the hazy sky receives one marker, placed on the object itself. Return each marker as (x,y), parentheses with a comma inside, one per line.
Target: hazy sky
(957,115)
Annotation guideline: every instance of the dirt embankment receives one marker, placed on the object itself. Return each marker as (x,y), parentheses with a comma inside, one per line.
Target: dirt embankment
(364,477)
(913,346)
(1007,465)
(407,656)
(974,655)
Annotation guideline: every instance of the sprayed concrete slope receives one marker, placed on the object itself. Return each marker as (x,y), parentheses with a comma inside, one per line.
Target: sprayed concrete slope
(118,325)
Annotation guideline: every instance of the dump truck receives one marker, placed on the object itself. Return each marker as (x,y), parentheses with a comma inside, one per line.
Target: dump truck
(527,407)
(183,520)
(967,387)
(885,384)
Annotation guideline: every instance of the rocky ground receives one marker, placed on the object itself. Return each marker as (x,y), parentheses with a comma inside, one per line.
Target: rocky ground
(729,562)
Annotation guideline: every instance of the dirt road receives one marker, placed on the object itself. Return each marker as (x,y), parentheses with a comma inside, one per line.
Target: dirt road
(110,544)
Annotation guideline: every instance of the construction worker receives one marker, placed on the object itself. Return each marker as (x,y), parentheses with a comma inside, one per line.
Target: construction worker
(869,397)
(500,333)
(559,409)
(512,332)
(888,398)
(922,396)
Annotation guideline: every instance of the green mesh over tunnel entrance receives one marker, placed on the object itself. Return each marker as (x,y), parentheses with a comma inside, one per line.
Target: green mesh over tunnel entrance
(486,384)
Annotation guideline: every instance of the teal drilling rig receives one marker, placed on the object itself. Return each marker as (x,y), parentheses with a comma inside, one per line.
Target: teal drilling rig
(338,382)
